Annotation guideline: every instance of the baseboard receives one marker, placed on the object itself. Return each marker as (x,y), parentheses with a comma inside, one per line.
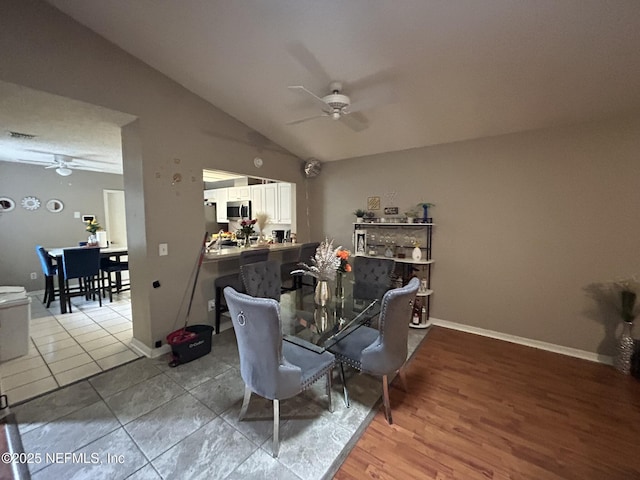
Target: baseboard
(141,348)
(551,347)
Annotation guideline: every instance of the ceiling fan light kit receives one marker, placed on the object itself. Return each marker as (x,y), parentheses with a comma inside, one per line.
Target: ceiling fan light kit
(64,171)
(334,105)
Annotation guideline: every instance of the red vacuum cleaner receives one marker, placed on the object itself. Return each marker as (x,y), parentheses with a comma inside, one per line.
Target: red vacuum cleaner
(191,342)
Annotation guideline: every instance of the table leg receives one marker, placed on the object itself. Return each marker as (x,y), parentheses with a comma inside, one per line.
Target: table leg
(61,287)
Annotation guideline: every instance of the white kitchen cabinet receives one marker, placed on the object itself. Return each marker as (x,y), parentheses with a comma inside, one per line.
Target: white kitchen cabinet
(238,193)
(284,202)
(211,195)
(257,199)
(221,205)
(270,204)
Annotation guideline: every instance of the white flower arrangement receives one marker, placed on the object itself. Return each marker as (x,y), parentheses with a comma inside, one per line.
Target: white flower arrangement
(324,263)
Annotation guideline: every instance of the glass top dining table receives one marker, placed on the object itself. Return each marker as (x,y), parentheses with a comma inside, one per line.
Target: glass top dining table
(316,327)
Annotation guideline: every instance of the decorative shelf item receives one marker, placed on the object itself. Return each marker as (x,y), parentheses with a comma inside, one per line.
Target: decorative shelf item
(55,206)
(6,204)
(30,203)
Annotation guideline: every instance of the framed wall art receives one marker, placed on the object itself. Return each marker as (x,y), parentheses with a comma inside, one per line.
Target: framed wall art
(373,203)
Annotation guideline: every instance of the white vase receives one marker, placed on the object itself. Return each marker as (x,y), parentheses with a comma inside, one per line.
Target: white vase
(416,254)
(359,219)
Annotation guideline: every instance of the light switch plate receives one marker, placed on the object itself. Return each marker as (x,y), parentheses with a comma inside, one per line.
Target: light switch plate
(76,214)
(163,249)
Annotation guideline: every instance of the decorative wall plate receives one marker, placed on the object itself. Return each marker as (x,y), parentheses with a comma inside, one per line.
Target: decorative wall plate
(55,206)
(30,203)
(6,204)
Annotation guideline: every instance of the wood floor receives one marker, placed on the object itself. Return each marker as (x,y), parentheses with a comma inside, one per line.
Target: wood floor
(479,408)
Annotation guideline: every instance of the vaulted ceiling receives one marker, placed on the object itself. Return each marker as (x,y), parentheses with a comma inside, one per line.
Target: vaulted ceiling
(424,72)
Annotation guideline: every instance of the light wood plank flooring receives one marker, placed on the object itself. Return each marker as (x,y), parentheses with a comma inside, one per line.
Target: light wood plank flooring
(479,408)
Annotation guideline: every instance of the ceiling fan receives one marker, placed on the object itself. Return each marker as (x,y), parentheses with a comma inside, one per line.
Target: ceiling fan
(336,106)
(63,164)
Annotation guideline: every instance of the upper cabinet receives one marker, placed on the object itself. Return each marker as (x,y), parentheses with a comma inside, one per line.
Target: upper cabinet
(238,193)
(271,198)
(284,202)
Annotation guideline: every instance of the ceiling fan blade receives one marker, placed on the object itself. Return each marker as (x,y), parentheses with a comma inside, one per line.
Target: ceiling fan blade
(317,99)
(306,119)
(355,121)
(309,61)
(54,166)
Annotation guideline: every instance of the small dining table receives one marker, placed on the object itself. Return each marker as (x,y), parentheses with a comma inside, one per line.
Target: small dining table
(56,255)
(318,328)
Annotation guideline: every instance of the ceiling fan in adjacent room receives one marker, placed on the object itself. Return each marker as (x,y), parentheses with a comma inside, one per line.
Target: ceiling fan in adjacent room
(335,105)
(63,165)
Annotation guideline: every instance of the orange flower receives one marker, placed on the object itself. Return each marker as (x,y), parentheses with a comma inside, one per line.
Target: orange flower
(347,267)
(343,254)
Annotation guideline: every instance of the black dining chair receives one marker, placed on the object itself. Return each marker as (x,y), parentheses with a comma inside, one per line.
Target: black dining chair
(307,251)
(270,367)
(49,270)
(262,279)
(381,351)
(108,269)
(234,280)
(82,264)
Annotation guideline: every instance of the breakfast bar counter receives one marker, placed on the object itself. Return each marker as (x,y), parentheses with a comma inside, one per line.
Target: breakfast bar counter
(228,253)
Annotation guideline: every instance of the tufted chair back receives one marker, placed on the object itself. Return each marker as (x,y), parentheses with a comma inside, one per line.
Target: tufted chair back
(372,277)
(389,351)
(262,279)
(263,368)
(253,255)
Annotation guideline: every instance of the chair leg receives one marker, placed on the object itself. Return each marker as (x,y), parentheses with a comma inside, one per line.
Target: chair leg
(218,308)
(385,399)
(344,386)
(403,379)
(329,374)
(245,402)
(276,428)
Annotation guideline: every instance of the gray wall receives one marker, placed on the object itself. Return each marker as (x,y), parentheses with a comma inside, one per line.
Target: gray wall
(524,223)
(176,132)
(21,230)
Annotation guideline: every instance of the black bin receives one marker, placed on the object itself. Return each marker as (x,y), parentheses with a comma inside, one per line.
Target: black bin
(186,348)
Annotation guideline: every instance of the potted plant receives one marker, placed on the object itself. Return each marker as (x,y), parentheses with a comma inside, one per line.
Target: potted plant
(359,213)
(425,210)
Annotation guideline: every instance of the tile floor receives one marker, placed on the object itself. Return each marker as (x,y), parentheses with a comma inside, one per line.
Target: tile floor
(145,420)
(66,348)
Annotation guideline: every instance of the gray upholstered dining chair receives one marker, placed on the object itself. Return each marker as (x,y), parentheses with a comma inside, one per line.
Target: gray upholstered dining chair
(372,277)
(273,369)
(262,279)
(234,280)
(381,351)
(307,251)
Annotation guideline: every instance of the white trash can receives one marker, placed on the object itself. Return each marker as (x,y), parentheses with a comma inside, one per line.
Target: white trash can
(15,315)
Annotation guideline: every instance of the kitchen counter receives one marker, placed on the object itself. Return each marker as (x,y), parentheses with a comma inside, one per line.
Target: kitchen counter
(228,253)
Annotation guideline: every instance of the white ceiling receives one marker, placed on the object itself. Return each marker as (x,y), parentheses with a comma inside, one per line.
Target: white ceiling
(86,135)
(438,71)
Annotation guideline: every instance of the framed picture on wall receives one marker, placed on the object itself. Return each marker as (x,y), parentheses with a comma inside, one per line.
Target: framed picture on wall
(360,242)
(88,218)
(373,203)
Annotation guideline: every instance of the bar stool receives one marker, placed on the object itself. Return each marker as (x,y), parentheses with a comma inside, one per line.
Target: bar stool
(49,270)
(107,267)
(307,251)
(84,264)
(234,280)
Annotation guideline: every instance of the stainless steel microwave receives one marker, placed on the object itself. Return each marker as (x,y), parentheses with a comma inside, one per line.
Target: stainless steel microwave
(240,209)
